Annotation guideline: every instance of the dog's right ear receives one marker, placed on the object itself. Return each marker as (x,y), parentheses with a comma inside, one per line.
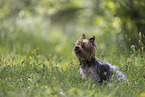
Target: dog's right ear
(83,36)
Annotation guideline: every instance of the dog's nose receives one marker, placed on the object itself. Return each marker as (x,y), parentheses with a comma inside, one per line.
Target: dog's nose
(76,47)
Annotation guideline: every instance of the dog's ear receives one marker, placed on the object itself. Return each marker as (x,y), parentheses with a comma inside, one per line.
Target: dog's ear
(83,36)
(93,41)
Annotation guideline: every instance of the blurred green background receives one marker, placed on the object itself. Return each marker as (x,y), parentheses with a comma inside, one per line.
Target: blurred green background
(52,26)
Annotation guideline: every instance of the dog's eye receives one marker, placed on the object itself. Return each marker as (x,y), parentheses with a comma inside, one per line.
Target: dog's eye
(83,46)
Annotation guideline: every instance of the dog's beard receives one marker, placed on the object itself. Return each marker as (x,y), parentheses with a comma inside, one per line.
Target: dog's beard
(84,56)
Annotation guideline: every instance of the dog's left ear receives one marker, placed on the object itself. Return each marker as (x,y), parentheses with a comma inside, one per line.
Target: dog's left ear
(93,41)
(83,36)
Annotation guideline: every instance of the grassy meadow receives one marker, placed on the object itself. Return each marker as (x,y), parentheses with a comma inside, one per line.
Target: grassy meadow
(38,74)
(37,38)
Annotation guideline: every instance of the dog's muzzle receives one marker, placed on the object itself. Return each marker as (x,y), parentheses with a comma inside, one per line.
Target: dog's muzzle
(77,49)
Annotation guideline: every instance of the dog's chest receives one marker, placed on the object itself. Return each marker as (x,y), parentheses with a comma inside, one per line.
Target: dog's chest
(89,72)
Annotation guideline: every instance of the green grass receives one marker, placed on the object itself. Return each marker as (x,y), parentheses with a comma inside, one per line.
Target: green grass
(35,75)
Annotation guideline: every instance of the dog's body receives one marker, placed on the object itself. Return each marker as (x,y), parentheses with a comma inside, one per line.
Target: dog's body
(91,67)
(99,71)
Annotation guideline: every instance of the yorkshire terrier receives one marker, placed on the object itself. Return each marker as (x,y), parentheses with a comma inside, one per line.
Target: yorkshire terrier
(91,67)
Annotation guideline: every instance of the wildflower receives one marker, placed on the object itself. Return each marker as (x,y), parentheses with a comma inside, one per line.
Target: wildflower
(105,73)
(50,55)
(132,46)
(33,52)
(29,79)
(61,83)
(54,78)
(61,93)
(142,95)
(140,35)
(45,86)
(71,90)
(40,55)
(10,78)
(30,57)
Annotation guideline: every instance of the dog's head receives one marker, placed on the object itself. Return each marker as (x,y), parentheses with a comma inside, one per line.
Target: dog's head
(85,49)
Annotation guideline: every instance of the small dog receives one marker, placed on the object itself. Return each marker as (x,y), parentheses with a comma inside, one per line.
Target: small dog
(91,67)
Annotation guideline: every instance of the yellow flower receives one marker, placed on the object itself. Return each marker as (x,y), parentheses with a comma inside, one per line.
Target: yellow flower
(10,78)
(61,83)
(54,78)
(142,95)
(71,90)
(40,55)
(33,52)
(30,57)
(105,73)
(29,79)
(50,55)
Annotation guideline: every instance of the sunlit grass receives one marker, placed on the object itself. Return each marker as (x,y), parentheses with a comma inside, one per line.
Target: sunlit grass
(37,75)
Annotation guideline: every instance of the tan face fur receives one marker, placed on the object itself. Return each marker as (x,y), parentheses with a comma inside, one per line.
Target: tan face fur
(85,49)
